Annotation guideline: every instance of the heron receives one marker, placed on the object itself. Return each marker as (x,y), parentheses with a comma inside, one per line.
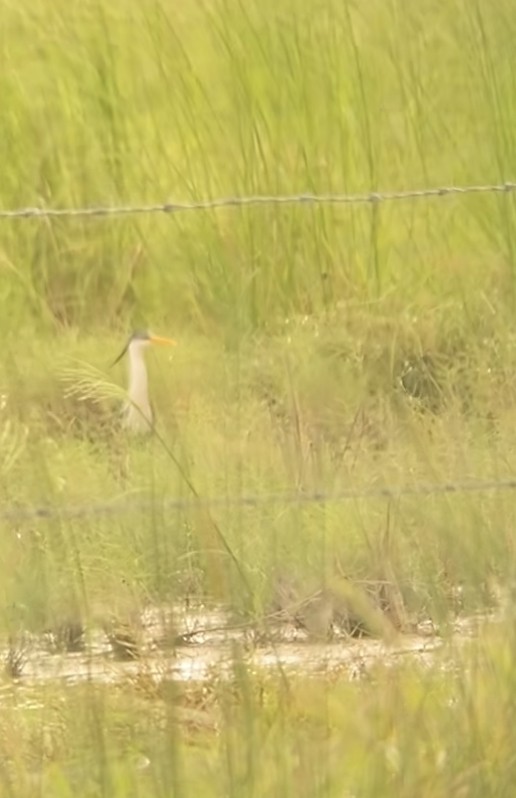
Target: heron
(137,414)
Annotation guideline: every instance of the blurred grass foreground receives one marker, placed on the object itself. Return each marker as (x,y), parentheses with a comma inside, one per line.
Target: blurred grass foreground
(322,348)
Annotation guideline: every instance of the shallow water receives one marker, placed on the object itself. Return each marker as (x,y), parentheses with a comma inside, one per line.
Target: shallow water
(213,647)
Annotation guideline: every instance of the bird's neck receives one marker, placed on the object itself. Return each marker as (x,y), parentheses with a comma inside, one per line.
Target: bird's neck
(138,387)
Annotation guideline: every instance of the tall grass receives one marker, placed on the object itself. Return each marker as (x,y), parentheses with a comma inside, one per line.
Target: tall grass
(320,347)
(129,104)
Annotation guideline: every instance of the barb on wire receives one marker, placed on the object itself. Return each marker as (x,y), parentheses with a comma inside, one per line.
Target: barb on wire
(258,199)
(118,508)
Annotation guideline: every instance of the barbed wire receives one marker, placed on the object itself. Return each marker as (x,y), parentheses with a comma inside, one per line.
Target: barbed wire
(171,207)
(118,508)
(288,498)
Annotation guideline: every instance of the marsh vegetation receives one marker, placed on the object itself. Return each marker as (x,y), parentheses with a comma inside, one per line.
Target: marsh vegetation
(321,349)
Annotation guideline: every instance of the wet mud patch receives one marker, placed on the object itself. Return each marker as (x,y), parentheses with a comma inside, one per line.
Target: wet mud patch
(205,646)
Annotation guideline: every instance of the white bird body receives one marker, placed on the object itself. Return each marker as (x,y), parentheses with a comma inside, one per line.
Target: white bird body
(137,414)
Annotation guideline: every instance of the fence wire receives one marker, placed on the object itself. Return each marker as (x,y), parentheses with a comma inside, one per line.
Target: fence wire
(141,506)
(172,207)
(169,504)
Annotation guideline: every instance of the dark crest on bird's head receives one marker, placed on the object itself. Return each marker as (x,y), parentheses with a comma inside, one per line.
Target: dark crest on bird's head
(137,335)
(144,337)
(140,335)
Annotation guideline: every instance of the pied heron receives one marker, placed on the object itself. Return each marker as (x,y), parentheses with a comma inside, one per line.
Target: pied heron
(137,413)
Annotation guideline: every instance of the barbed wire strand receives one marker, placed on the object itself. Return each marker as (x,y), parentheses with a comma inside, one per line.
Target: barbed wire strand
(246,201)
(118,508)
(316,497)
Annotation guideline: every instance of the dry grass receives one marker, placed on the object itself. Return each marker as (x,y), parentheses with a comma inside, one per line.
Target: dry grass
(320,348)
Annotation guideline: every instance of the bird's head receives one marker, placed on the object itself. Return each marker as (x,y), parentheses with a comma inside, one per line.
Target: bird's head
(140,340)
